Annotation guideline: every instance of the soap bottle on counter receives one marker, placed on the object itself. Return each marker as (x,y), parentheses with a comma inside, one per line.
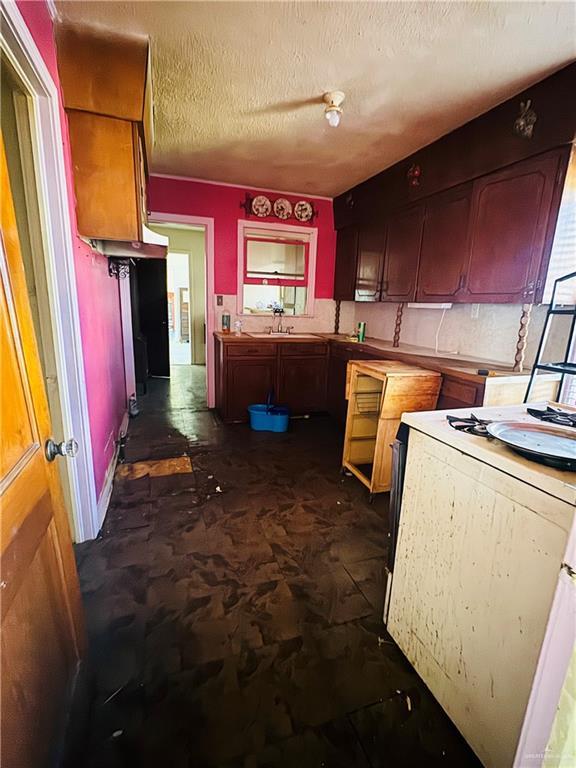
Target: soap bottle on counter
(225,322)
(361,331)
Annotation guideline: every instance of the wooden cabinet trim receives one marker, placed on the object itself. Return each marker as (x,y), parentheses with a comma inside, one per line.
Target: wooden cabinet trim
(302,349)
(250,350)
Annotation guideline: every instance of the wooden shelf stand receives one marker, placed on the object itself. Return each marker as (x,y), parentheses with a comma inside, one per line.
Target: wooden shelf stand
(378,393)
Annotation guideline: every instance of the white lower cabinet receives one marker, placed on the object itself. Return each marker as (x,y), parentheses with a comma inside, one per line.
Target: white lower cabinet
(477,563)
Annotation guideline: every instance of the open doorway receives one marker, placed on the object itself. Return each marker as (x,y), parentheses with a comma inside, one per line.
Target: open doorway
(186,297)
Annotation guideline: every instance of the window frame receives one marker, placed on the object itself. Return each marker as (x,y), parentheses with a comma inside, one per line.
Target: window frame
(278,232)
(276,280)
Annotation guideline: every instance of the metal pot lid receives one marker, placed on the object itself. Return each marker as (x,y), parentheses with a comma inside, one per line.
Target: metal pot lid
(538,439)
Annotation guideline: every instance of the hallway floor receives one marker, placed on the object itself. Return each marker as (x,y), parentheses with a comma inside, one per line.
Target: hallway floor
(233,604)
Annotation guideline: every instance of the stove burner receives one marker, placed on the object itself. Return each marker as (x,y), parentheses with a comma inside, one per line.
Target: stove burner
(554,416)
(472,425)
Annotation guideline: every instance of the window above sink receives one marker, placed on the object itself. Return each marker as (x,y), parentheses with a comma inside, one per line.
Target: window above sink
(277,266)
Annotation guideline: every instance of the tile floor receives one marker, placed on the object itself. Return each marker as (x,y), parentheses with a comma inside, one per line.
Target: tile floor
(233,605)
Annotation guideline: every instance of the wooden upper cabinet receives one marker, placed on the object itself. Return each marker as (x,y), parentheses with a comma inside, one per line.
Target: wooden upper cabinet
(403,242)
(513,217)
(106,92)
(101,72)
(346,263)
(444,251)
(106,170)
(371,242)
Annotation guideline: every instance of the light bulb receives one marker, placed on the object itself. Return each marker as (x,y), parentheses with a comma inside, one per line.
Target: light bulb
(333,117)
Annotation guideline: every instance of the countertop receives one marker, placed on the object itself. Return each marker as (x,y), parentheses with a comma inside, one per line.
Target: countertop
(557,483)
(461,365)
(242,338)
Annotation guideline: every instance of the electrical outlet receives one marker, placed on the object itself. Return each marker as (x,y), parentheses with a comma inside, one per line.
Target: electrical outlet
(475,311)
(219,301)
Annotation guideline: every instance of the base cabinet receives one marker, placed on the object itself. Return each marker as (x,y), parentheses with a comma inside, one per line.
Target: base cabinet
(302,384)
(248,382)
(246,373)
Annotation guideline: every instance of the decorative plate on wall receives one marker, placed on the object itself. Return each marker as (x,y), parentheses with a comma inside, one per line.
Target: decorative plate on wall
(261,206)
(303,211)
(283,208)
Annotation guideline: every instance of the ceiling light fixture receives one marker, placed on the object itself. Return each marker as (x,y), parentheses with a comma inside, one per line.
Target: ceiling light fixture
(333,108)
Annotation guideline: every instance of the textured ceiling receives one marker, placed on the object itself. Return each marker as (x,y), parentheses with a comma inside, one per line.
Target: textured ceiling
(238,85)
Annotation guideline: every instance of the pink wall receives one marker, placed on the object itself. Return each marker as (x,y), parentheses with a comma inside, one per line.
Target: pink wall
(222,203)
(98,294)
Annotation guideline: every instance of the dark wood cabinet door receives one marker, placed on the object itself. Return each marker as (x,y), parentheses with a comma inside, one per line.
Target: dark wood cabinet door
(346,260)
(302,383)
(444,252)
(404,237)
(510,234)
(248,382)
(371,242)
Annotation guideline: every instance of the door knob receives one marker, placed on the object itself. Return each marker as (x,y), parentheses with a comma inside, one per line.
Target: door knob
(65,448)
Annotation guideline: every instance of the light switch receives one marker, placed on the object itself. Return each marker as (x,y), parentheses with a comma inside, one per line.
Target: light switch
(219,300)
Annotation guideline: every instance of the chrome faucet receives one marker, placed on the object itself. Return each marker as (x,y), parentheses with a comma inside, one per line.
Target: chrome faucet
(278,312)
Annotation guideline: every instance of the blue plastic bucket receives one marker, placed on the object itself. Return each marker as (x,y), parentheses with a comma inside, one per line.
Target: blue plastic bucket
(269,418)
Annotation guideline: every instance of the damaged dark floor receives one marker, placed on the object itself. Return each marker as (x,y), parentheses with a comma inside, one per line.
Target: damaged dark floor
(233,605)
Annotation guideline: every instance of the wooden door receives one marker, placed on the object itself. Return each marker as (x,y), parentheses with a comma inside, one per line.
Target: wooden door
(248,382)
(346,260)
(302,384)
(153,309)
(371,241)
(510,233)
(42,628)
(444,252)
(403,242)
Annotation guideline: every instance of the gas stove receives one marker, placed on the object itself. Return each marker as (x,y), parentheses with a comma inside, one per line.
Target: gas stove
(554,416)
(553,454)
(472,425)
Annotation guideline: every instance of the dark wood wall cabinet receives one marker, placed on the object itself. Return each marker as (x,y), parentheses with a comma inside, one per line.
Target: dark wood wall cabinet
(485,241)
(477,222)
(484,145)
(247,371)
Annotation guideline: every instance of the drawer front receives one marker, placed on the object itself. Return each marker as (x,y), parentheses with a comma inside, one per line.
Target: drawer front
(455,393)
(251,350)
(294,349)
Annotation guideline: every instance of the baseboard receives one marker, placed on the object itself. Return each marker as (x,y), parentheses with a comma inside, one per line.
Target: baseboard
(106,492)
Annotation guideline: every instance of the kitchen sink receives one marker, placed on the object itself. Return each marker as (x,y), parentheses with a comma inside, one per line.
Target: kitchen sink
(282,335)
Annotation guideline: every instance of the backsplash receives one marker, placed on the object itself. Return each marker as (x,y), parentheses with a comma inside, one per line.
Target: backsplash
(492,335)
(321,322)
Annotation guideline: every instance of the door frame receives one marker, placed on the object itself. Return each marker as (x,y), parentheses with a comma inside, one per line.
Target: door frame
(19,47)
(210,303)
